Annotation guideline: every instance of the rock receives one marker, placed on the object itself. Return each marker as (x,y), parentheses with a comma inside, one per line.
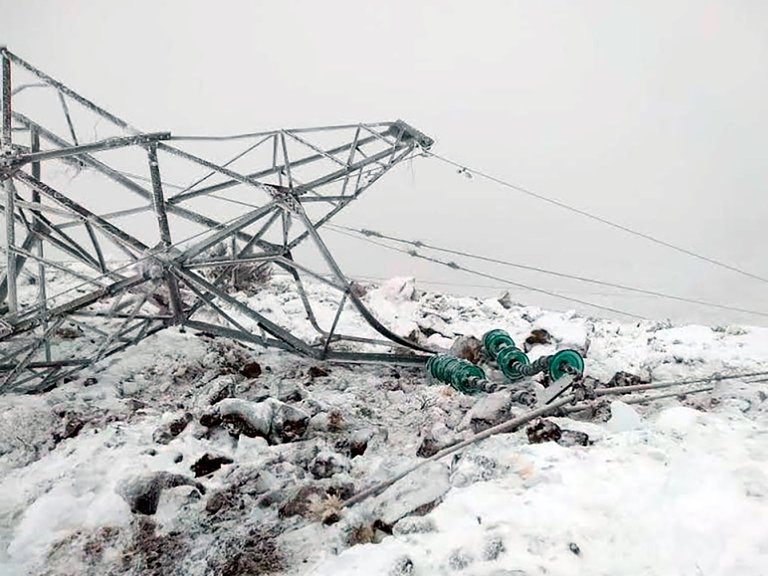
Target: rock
(73,424)
(489,410)
(172,428)
(208,464)
(493,548)
(302,500)
(506,301)
(317,372)
(218,501)
(626,379)
(271,498)
(573,547)
(243,551)
(573,438)
(142,493)
(468,348)
(360,533)
(459,559)
(90,381)
(332,421)
(416,493)
(543,430)
(251,370)
(68,332)
(243,486)
(434,439)
(289,423)
(358,442)
(414,525)
(327,464)
(290,393)
(215,391)
(271,419)
(471,468)
(536,337)
(241,417)
(403,566)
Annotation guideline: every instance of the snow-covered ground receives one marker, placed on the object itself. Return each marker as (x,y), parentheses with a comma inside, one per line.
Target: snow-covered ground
(672,487)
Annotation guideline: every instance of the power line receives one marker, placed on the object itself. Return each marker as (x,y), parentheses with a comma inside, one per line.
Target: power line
(600,219)
(455,266)
(420,244)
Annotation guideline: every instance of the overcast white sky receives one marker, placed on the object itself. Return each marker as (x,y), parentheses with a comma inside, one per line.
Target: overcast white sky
(653,114)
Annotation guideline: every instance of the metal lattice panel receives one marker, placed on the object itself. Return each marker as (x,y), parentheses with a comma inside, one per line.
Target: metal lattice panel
(84,200)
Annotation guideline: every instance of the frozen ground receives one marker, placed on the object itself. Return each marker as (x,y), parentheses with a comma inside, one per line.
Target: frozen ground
(674,487)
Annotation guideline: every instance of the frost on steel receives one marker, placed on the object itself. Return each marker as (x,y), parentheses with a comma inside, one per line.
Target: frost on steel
(140,254)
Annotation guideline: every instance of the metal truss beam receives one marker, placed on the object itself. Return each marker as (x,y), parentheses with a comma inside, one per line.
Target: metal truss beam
(185,251)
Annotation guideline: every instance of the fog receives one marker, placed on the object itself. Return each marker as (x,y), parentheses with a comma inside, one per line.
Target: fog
(653,115)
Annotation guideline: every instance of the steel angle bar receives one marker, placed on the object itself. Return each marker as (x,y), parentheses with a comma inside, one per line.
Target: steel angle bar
(38,208)
(19,260)
(58,266)
(319,223)
(65,108)
(129,184)
(194,264)
(376,358)
(370,318)
(47,364)
(97,314)
(335,323)
(10,243)
(270,190)
(135,310)
(208,300)
(62,200)
(289,264)
(107,144)
(85,326)
(317,149)
(5,98)
(22,364)
(227,231)
(111,215)
(96,247)
(80,302)
(238,335)
(347,169)
(275,169)
(158,202)
(187,193)
(42,295)
(269,326)
(304,299)
(65,89)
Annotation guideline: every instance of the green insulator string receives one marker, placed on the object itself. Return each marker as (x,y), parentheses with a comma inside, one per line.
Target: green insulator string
(515,364)
(469,378)
(460,374)
(495,341)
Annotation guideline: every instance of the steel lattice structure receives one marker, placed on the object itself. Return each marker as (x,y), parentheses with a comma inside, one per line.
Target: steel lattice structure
(179,247)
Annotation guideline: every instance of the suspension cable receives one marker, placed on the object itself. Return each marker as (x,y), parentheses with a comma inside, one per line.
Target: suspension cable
(600,219)
(455,266)
(426,245)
